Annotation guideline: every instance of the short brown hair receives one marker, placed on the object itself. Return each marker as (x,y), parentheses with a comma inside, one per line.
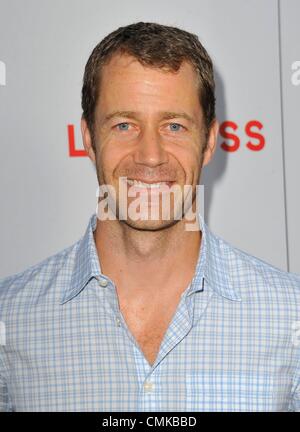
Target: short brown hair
(152,45)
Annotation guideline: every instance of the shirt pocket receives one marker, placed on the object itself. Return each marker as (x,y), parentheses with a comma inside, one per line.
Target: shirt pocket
(229,391)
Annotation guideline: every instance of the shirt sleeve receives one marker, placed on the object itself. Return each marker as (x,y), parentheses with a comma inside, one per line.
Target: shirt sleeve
(296,405)
(296,400)
(4,399)
(296,393)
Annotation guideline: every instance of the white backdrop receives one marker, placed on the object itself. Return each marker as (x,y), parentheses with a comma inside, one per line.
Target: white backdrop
(251,194)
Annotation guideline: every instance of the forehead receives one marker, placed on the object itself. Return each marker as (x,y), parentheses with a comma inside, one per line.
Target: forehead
(128,66)
(125,79)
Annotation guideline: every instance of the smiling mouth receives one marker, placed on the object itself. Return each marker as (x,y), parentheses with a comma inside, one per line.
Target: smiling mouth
(148,184)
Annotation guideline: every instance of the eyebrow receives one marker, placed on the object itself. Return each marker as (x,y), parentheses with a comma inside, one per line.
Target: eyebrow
(165,115)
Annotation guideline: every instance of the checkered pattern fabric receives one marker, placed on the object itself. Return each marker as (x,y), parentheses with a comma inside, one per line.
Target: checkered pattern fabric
(233,343)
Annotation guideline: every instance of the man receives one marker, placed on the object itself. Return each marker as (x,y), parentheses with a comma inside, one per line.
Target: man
(144,314)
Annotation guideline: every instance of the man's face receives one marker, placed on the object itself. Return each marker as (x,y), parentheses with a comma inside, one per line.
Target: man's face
(149,126)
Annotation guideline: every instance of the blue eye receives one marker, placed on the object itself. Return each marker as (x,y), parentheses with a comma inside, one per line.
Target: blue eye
(122,124)
(177,125)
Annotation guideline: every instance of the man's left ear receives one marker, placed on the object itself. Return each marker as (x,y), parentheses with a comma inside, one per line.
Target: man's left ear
(211,142)
(87,140)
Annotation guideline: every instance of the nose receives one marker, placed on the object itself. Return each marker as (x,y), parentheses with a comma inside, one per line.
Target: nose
(150,150)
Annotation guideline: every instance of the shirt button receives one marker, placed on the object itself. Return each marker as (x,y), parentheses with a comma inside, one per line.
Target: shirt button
(148,386)
(118,322)
(103,282)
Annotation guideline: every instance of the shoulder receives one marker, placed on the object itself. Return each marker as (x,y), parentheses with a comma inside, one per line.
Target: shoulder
(258,278)
(38,277)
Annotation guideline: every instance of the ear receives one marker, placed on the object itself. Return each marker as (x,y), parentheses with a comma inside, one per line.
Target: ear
(87,140)
(211,142)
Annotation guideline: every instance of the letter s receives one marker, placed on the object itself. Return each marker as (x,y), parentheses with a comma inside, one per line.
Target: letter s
(233,137)
(252,134)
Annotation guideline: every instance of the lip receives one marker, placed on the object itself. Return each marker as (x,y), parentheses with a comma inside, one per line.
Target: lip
(153,190)
(168,182)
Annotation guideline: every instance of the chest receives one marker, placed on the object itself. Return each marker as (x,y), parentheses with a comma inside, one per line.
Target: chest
(219,365)
(148,325)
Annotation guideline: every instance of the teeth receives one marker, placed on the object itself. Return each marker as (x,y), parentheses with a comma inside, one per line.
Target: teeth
(145,185)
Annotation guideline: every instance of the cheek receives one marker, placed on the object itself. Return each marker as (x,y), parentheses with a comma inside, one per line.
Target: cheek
(189,158)
(110,156)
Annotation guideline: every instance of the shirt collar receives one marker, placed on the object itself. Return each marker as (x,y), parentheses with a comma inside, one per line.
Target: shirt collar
(212,264)
(86,263)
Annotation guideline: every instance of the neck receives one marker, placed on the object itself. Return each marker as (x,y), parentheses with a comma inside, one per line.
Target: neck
(145,263)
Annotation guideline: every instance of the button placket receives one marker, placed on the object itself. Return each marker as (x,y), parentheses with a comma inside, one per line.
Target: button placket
(148,386)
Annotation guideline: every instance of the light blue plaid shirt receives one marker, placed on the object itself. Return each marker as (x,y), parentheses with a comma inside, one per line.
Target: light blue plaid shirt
(232,345)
